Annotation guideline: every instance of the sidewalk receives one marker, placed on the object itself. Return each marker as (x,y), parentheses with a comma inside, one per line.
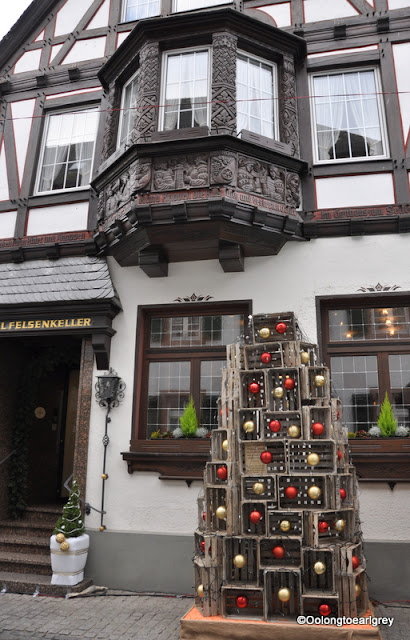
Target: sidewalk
(118,616)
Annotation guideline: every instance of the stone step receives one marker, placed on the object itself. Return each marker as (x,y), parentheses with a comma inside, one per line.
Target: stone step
(25,563)
(24,544)
(25,528)
(47,514)
(32,583)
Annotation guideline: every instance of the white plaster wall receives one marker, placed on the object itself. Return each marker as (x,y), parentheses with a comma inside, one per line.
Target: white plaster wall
(279,12)
(22,114)
(7,223)
(401,53)
(29,61)
(355,191)
(101,17)
(86,50)
(316,10)
(70,15)
(290,281)
(57,218)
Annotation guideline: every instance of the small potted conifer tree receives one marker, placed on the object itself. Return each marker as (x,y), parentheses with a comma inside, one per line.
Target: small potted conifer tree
(69,544)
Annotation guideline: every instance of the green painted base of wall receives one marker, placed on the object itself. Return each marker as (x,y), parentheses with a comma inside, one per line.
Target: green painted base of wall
(162,563)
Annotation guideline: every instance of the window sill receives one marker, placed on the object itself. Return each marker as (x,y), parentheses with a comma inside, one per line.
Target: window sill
(381,459)
(182,459)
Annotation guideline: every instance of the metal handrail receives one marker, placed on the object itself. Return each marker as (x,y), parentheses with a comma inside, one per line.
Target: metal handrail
(87,505)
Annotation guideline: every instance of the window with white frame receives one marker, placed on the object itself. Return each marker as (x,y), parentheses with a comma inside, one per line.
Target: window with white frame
(128,111)
(348,116)
(189,5)
(139,9)
(186,89)
(68,150)
(255,93)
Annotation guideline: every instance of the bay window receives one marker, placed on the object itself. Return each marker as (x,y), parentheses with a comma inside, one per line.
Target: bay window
(189,5)
(128,111)
(348,117)
(255,92)
(67,151)
(139,9)
(186,89)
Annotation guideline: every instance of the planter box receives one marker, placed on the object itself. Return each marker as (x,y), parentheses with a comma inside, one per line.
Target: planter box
(378,459)
(68,566)
(179,459)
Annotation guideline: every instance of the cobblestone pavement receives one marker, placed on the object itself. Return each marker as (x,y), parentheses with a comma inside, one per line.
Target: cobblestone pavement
(117,616)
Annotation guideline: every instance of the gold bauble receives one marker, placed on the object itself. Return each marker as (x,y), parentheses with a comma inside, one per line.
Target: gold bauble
(64,546)
(285,525)
(239,561)
(104,476)
(278,392)
(284,594)
(102,528)
(319,381)
(264,332)
(221,512)
(60,537)
(258,488)
(314,492)
(340,525)
(294,431)
(313,459)
(357,590)
(319,568)
(249,426)
(304,357)
(200,590)
(225,445)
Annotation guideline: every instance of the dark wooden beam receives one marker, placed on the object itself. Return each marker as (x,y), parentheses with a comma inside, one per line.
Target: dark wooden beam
(154,262)
(231,257)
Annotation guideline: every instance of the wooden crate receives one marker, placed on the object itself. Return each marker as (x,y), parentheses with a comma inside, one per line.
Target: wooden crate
(269,492)
(270,321)
(314,538)
(255,415)
(248,528)
(290,400)
(217,497)
(342,481)
(286,419)
(201,512)
(253,355)
(308,389)
(292,557)
(211,580)
(299,450)
(276,579)
(218,453)
(235,356)
(311,604)
(292,351)
(246,547)
(230,397)
(352,604)
(302,484)
(252,463)
(253,610)
(252,400)
(275,517)
(325,582)
(211,477)
(208,548)
(312,414)
(346,553)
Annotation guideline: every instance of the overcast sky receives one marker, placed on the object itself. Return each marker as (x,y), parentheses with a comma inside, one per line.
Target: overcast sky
(11,10)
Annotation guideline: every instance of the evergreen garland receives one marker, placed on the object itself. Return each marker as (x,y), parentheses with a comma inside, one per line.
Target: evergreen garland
(386,421)
(70,523)
(43,363)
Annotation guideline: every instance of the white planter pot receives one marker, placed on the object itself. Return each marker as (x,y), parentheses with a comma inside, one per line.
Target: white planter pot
(68,566)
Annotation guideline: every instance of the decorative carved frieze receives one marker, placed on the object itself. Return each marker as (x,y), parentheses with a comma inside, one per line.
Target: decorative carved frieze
(146,120)
(111,122)
(121,190)
(223,113)
(223,168)
(288,121)
(181,173)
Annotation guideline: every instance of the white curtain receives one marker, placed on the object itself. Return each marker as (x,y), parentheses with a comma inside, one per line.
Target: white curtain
(330,112)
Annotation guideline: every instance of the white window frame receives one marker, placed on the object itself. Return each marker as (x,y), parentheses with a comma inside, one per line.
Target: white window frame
(165,56)
(274,68)
(124,11)
(43,147)
(121,118)
(212,3)
(381,108)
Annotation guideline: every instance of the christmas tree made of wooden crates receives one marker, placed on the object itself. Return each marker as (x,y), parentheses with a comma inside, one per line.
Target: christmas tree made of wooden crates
(279,533)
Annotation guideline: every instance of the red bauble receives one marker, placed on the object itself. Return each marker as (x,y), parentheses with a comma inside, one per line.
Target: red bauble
(278,552)
(222,473)
(254,387)
(204,515)
(355,562)
(255,516)
(281,327)
(266,358)
(289,384)
(202,546)
(291,492)
(322,526)
(324,610)
(343,494)
(266,457)
(317,428)
(339,454)
(274,425)
(241,602)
